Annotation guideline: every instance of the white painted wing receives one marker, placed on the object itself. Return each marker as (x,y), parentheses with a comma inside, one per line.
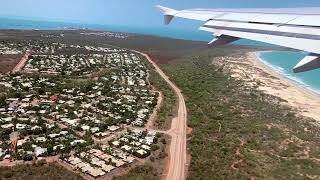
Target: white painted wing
(294,28)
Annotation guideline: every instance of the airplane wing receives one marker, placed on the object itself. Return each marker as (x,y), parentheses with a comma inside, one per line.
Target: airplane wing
(289,27)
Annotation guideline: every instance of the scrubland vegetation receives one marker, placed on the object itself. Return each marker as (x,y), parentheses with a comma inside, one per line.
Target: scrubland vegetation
(241,132)
(37,171)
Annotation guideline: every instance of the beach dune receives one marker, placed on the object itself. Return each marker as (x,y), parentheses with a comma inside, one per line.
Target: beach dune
(254,72)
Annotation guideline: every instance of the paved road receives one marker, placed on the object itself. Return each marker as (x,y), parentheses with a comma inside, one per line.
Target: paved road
(178,146)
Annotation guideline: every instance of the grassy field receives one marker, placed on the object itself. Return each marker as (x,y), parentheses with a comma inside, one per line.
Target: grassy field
(239,132)
(37,171)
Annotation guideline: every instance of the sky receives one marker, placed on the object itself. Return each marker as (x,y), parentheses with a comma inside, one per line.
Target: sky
(126,12)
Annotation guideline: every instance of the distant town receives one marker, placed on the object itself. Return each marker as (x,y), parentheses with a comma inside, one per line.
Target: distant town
(84,106)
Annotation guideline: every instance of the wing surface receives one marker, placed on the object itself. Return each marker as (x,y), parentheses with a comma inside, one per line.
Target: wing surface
(289,27)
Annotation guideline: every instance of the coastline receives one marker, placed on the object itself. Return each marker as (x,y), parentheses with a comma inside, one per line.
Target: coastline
(301,98)
(282,75)
(248,68)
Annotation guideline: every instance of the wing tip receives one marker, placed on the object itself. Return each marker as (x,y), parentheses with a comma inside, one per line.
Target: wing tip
(168,13)
(308,63)
(166,10)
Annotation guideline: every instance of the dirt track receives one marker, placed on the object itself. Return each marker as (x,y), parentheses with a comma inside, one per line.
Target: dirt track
(178,146)
(22,62)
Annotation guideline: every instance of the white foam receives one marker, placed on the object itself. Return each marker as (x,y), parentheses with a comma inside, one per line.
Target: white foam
(297,81)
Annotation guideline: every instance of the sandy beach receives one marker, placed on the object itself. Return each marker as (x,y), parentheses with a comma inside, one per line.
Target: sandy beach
(255,73)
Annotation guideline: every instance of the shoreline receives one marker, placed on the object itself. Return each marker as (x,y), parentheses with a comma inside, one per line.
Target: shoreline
(304,100)
(283,76)
(249,68)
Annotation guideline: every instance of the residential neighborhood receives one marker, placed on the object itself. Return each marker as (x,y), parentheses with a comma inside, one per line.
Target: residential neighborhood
(86,109)
(107,34)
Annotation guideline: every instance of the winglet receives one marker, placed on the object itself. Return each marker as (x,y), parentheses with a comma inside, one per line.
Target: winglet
(168,13)
(310,62)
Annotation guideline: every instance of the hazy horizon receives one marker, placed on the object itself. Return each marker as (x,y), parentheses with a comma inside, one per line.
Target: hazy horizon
(125,12)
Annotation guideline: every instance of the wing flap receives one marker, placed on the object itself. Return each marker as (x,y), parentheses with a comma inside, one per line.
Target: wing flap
(295,31)
(310,20)
(294,28)
(240,17)
(274,18)
(309,45)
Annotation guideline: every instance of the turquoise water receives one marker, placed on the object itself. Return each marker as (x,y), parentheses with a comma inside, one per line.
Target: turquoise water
(280,61)
(283,62)
(164,31)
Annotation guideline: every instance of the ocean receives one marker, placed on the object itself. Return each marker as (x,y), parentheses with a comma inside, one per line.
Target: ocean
(164,31)
(283,62)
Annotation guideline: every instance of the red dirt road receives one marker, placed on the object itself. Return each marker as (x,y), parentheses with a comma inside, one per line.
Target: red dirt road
(22,62)
(178,146)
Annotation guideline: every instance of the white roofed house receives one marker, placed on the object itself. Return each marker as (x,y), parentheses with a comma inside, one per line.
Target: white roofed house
(41,139)
(42,111)
(36,127)
(141,153)
(145,147)
(39,151)
(113,128)
(52,136)
(107,168)
(21,126)
(130,80)
(2,152)
(116,143)
(8,119)
(20,142)
(85,128)
(95,129)
(149,140)
(26,100)
(58,147)
(63,133)
(13,99)
(126,148)
(97,161)
(96,172)
(70,122)
(76,142)
(74,160)
(134,143)
(7,126)
(128,159)
(27,84)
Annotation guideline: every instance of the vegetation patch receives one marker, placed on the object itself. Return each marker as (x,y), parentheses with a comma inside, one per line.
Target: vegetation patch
(144,172)
(166,111)
(231,126)
(37,171)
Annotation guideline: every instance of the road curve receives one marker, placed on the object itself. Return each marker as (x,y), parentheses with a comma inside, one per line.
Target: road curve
(178,146)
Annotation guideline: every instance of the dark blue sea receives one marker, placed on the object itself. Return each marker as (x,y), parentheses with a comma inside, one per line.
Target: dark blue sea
(283,62)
